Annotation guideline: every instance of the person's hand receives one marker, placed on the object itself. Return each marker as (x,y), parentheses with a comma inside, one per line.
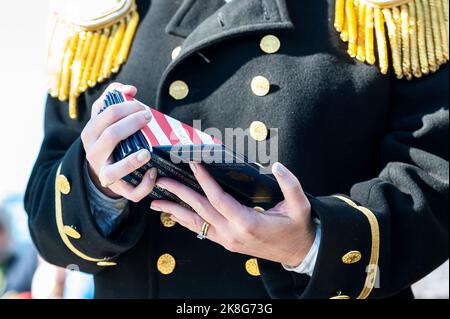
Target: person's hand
(100,137)
(282,234)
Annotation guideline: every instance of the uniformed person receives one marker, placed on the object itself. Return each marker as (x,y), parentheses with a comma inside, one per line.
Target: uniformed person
(358,91)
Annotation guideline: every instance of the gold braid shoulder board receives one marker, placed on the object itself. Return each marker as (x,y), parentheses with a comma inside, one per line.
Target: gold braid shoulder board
(89,41)
(414,32)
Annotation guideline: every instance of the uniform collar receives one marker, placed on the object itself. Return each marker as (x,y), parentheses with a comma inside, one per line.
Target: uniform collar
(191,14)
(202,18)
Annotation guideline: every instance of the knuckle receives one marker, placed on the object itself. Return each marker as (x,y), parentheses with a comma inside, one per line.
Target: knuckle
(216,199)
(199,204)
(197,222)
(249,229)
(89,157)
(296,186)
(95,107)
(84,134)
(140,119)
(111,135)
(292,184)
(136,105)
(198,208)
(148,185)
(131,164)
(231,244)
(114,114)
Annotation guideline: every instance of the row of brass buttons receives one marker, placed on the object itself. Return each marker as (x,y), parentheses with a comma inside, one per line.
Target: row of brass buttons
(259,85)
(166,264)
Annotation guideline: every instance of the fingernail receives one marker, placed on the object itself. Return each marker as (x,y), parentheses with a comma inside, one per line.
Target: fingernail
(148,115)
(105,184)
(155,208)
(103,181)
(143,156)
(153,173)
(193,166)
(280,169)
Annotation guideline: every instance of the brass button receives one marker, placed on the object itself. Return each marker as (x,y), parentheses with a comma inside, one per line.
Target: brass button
(259,209)
(62,184)
(252,267)
(259,131)
(166,264)
(106,263)
(176,52)
(340,297)
(270,44)
(71,232)
(351,257)
(260,85)
(166,220)
(179,90)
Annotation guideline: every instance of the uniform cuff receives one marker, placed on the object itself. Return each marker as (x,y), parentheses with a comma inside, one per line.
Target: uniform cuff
(349,248)
(76,225)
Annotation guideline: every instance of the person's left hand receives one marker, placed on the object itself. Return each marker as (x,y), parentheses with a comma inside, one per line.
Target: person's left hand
(282,234)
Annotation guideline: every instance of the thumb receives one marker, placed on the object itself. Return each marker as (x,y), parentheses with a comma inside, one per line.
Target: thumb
(290,186)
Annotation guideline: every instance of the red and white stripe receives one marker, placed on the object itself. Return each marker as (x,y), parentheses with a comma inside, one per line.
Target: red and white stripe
(164,130)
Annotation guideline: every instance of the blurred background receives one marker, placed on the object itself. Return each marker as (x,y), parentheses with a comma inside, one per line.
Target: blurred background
(23,30)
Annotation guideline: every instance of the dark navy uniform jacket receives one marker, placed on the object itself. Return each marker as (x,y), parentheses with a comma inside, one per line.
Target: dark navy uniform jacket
(371,149)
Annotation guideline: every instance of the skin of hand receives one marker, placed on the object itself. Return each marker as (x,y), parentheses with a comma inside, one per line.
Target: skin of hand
(282,234)
(103,133)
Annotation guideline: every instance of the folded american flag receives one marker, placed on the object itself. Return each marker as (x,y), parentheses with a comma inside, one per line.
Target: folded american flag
(241,178)
(164,130)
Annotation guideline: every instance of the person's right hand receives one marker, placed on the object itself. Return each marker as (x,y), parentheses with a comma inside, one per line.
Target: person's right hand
(103,133)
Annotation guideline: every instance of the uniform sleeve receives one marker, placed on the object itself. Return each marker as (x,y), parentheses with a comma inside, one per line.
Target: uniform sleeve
(60,219)
(392,230)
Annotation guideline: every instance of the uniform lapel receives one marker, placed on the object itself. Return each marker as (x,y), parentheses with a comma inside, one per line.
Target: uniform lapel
(227,20)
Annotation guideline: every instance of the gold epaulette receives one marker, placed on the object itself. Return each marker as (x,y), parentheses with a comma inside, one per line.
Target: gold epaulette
(89,41)
(414,33)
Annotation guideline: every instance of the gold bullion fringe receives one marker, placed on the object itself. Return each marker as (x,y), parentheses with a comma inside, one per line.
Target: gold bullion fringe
(414,33)
(79,59)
